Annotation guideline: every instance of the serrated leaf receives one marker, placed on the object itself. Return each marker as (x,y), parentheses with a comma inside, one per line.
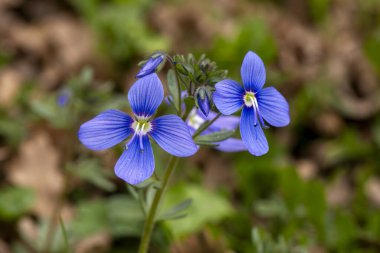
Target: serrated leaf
(215,137)
(177,211)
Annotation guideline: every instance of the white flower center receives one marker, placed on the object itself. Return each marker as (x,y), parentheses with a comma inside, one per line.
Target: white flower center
(142,127)
(194,120)
(250,99)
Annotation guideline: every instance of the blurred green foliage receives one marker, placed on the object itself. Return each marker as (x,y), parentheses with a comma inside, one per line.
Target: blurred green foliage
(15,202)
(121,27)
(119,215)
(206,207)
(252,34)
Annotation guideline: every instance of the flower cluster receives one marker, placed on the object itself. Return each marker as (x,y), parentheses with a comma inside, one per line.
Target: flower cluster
(260,106)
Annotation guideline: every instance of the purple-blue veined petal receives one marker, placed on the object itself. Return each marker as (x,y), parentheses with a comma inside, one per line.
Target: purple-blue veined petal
(252,136)
(273,107)
(145,95)
(105,130)
(196,119)
(136,165)
(223,122)
(228,96)
(231,145)
(204,105)
(253,72)
(173,135)
(150,66)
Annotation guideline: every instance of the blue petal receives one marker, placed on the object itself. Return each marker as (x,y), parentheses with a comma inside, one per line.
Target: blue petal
(105,130)
(231,145)
(252,136)
(136,165)
(228,96)
(150,66)
(173,135)
(253,72)
(273,107)
(223,122)
(145,95)
(204,105)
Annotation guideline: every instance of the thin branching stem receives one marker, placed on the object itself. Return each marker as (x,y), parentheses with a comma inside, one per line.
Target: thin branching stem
(151,217)
(205,126)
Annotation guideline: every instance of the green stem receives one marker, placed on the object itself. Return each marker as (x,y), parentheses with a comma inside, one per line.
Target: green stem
(179,93)
(205,126)
(151,218)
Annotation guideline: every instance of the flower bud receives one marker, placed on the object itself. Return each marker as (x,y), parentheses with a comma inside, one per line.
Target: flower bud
(151,65)
(202,100)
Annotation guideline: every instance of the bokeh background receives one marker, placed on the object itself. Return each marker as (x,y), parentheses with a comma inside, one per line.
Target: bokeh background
(317,190)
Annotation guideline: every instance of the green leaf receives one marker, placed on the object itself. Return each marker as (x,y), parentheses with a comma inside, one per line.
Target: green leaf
(257,240)
(91,171)
(207,207)
(91,218)
(13,130)
(207,144)
(215,137)
(64,233)
(14,202)
(149,182)
(189,102)
(124,215)
(177,211)
(173,88)
(120,215)
(319,9)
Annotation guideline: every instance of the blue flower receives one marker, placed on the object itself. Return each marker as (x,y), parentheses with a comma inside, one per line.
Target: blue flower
(151,65)
(63,97)
(196,119)
(259,104)
(112,127)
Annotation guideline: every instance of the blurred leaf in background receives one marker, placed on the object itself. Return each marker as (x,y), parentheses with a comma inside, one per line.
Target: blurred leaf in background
(121,27)
(119,216)
(206,208)
(252,34)
(15,202)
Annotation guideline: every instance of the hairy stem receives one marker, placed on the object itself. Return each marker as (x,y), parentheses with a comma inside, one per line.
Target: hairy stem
(151,218)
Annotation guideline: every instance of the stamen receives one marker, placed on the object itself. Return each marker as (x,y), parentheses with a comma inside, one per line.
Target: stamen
(134,136)
(257,110)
